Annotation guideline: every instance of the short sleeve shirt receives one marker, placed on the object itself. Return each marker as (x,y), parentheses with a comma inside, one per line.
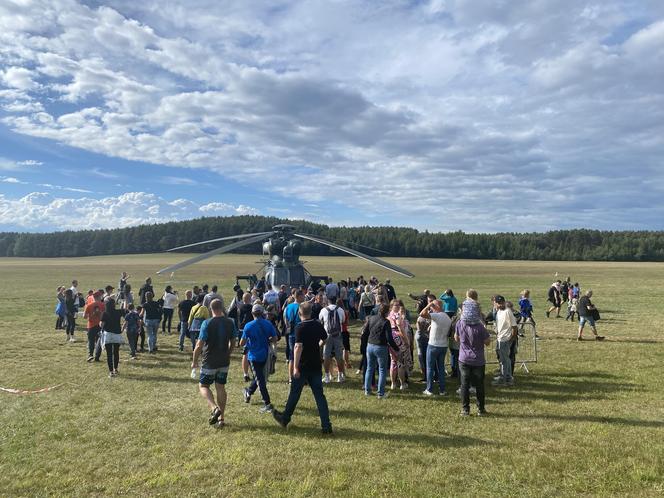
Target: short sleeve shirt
(94,311)
(291,314)
(309,333)
(440,327)
(216,335)
(257,334)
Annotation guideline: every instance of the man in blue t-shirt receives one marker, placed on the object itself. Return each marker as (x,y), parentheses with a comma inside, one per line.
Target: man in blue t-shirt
(257,336)
(291,319)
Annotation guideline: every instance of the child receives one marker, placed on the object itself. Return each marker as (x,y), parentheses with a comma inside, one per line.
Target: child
(132,326)
(526,308)
(60,309)
(471,312)
(571,308)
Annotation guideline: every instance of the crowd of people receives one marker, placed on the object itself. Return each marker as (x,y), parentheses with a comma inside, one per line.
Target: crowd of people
(313,324)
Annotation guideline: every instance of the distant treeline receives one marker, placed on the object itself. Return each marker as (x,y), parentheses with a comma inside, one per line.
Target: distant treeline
(578,245)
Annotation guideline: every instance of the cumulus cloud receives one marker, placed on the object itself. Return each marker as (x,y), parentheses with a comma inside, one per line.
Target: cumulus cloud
(43,211)
(471,108)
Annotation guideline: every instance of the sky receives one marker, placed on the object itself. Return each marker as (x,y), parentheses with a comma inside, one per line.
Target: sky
(481,116)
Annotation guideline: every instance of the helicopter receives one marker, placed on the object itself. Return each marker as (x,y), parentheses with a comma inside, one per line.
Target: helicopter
(282,248)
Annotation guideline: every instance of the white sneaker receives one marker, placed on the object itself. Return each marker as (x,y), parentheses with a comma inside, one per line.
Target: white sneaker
(403,387)
(72,340)
(384,396)
(426,392)
(341,377)
(327,379)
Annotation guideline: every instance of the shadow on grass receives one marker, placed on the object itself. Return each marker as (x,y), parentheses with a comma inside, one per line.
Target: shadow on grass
(443,440)
(185,379)
(588,419)
(565,387)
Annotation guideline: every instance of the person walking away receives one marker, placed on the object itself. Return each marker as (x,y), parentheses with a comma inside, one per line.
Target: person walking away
(506,333)
(93,313)
(257,336)
(586,309)
(214,346)
(170,299)
(309,336)
(472,337)
(112,335)
(345,337)
(332,316)
(131,327)
(291,319)
(378,333)
(245,317)
(70,307)
(184,309)
(197,316)
(437,346)
(211,296)
(151,317)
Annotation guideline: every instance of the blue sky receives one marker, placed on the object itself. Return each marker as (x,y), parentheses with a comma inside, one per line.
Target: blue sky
(441,115)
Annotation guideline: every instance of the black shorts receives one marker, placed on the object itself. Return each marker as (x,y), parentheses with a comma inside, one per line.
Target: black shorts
(345,337)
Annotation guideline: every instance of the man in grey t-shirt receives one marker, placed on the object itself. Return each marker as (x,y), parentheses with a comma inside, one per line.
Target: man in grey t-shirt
(214,347)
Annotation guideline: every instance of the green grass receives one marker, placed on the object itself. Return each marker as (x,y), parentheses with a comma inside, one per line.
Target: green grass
(587,420)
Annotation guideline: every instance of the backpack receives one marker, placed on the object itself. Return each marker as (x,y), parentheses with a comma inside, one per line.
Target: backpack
(333,323)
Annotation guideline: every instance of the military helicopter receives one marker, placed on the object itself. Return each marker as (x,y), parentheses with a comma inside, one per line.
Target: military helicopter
(282,248)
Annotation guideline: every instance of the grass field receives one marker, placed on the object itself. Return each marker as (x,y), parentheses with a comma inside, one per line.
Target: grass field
(587,420)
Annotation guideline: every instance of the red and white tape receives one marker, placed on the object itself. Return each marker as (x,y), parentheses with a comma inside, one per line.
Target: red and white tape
(22,391)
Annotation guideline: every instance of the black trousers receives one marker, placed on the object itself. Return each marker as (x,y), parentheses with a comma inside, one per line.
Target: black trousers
(112,356)
(472,375)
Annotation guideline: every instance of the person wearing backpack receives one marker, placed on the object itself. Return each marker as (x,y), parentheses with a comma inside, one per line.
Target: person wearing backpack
(332,316)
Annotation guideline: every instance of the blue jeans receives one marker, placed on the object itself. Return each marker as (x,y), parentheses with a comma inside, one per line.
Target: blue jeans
(184,330)
(376,355)
(152,325)
(503,348)
(313,378)
(258,369)
(290,346)
(422,345)
(454,362)
(436,365)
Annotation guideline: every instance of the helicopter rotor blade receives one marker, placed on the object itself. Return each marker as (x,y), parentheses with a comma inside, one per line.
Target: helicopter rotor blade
(220,250)
(352,244)
(371,259)
(241,236)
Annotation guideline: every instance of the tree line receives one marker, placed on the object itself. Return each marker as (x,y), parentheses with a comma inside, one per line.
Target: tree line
(563,245)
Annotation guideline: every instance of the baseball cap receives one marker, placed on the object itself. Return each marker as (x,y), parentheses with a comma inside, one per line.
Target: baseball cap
(499,299)
(257,308)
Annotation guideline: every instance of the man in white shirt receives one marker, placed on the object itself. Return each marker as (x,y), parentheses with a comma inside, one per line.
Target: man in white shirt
(332,317)
(271,296)
(437,347)
(506,330)
(211,296)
